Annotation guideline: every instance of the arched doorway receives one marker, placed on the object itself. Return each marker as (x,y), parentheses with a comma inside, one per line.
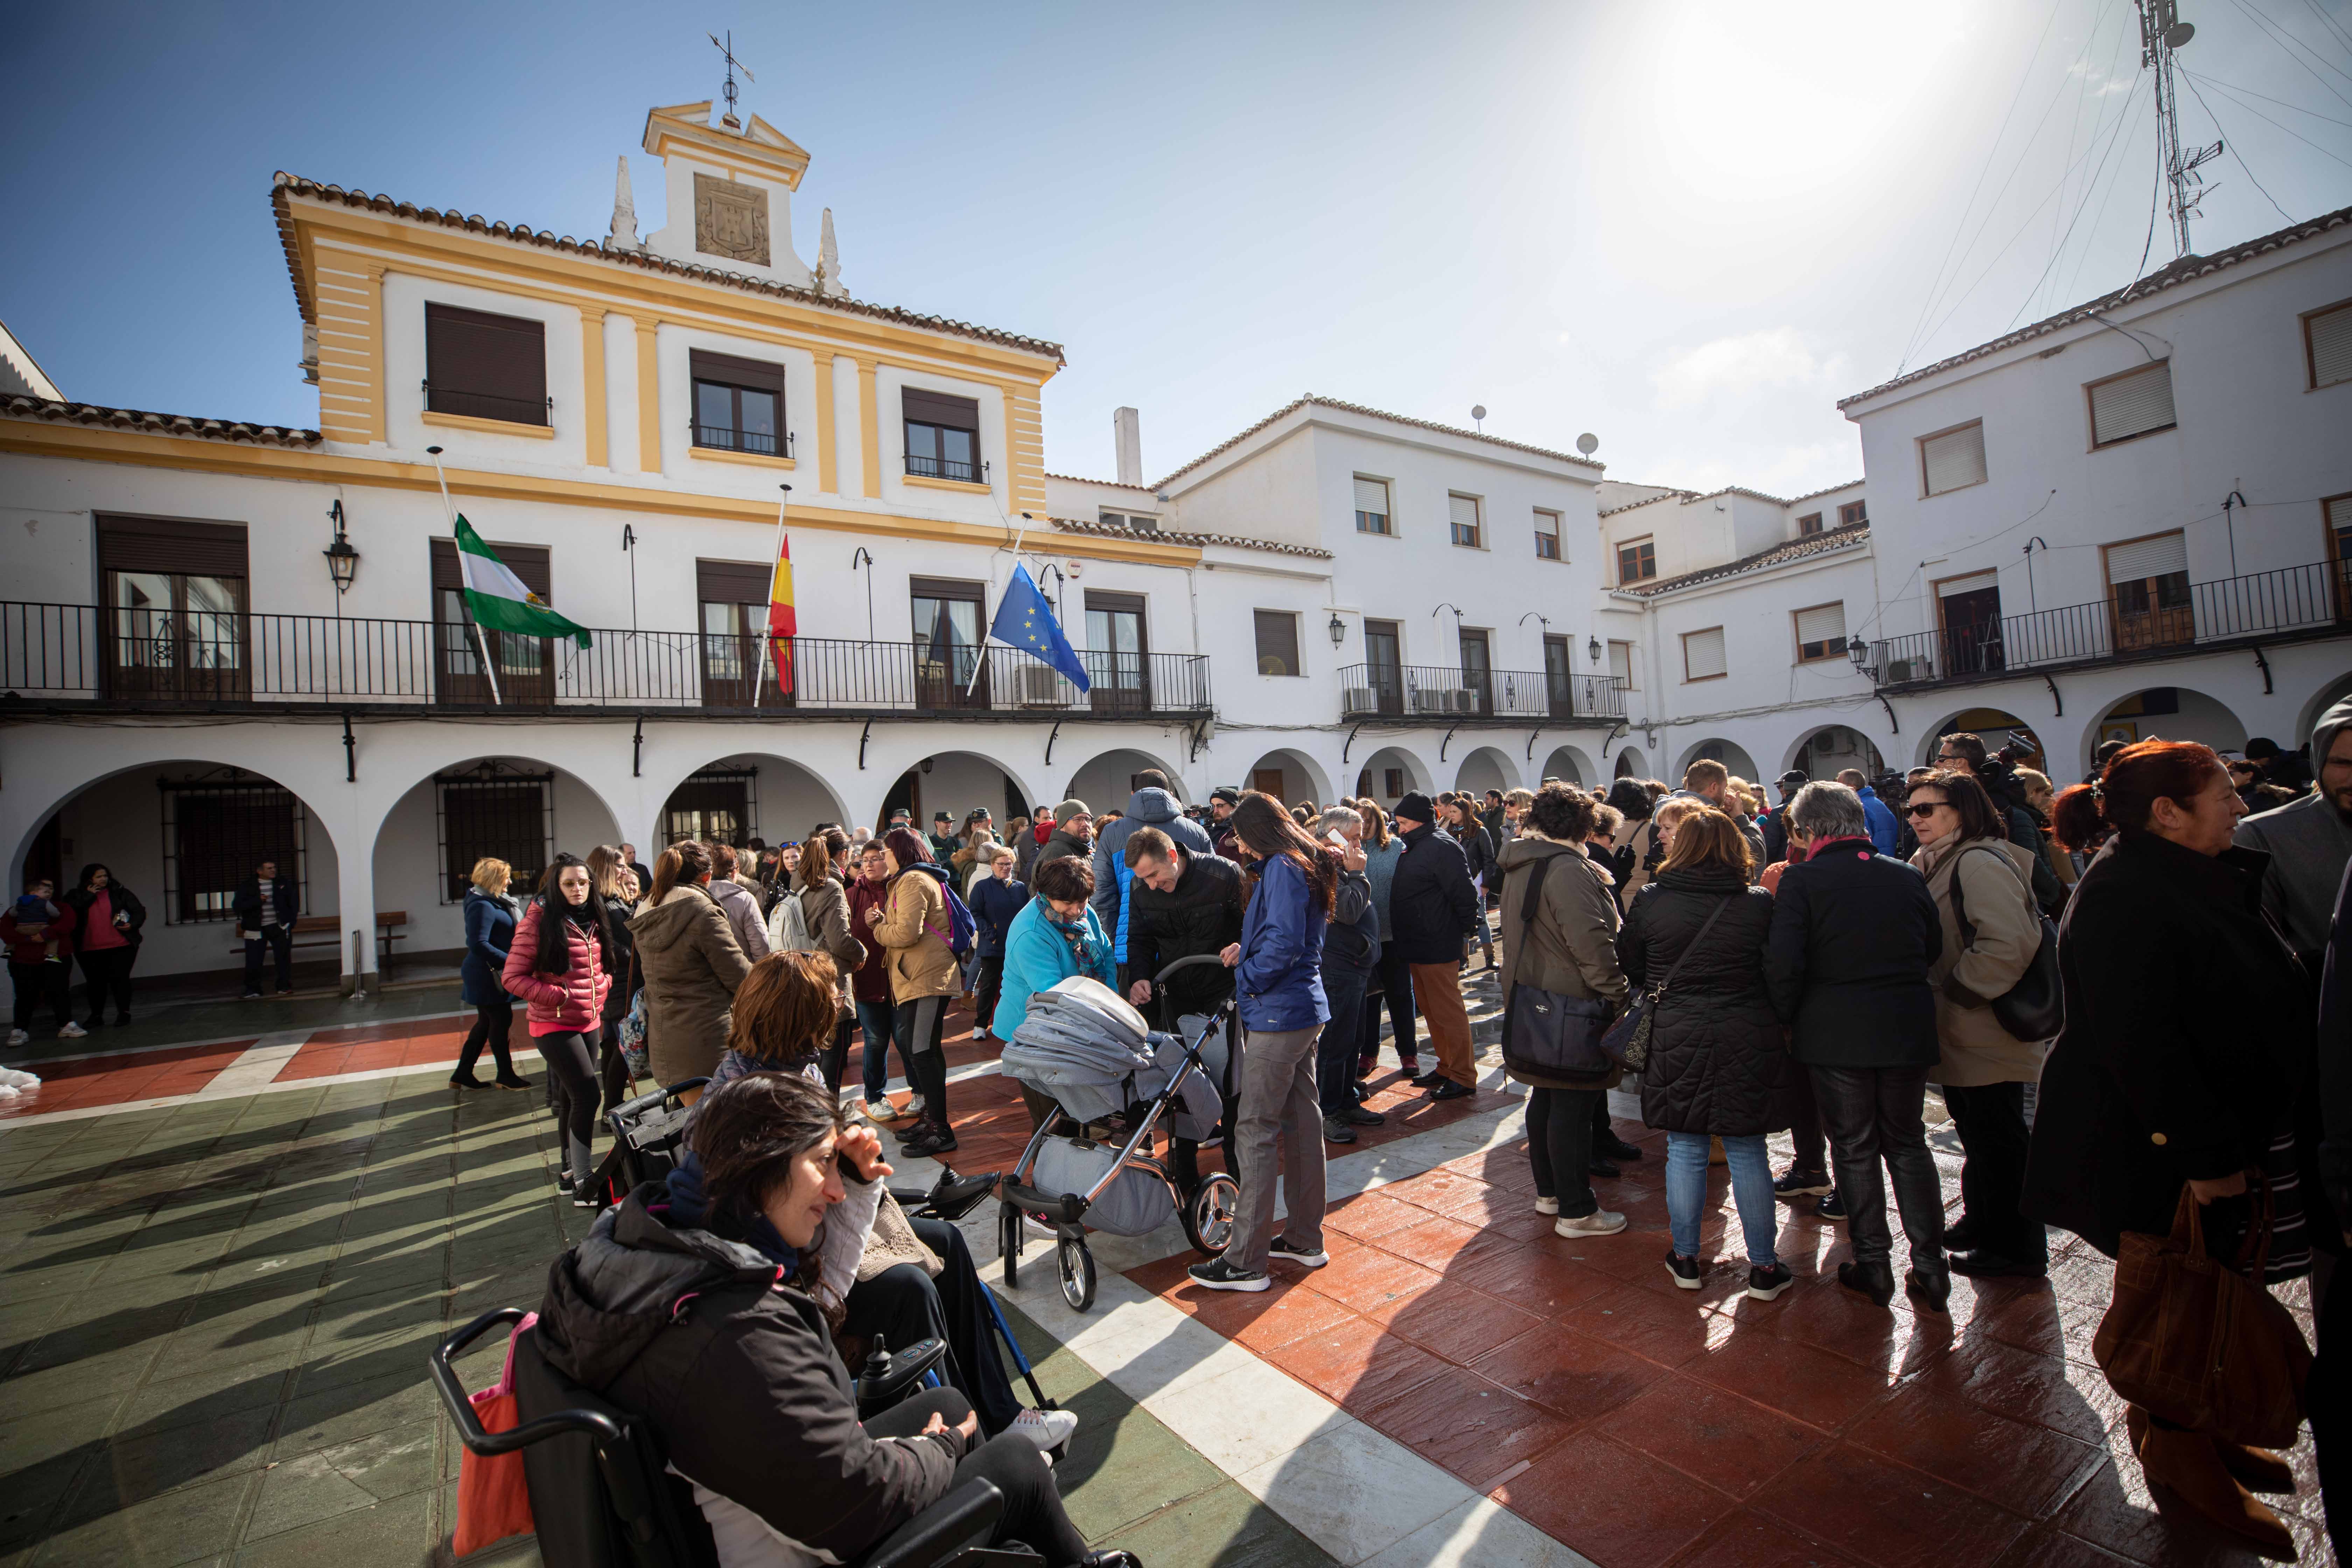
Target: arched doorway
(1729,754)
(1109,780)
(1825,753)
(748,794)
(1996,727)
(2168,713)
(959,782)
(1290,777)
(1629,765)
(1568,765)
(1484,769)
(1390,773)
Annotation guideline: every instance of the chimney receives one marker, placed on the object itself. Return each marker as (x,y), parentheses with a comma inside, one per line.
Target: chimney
(1127,431)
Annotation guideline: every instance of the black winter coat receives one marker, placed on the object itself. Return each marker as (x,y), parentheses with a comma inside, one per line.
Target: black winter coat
(2187,1038)
(1719,1061)
(1478,850)
(1854,932)
(120,899)
(1432,905)
(1202,913)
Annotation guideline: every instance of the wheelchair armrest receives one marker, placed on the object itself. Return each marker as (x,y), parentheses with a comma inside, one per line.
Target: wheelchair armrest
(455,1400)
(907,1368)
(964,1518)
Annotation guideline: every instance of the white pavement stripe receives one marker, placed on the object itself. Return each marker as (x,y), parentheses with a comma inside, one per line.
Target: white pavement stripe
(257,1068)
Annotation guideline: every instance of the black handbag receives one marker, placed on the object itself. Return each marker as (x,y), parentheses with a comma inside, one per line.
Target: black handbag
(1627,1040)
(2034,1008)
(1546,1034)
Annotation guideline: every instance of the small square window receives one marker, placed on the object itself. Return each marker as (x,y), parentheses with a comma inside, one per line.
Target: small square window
(1277,642)
(1371,505)
(1851,513)
(1811,523)
(1703,655)
(1821,633)
(1547,535)
(1462,512)
(1637,561)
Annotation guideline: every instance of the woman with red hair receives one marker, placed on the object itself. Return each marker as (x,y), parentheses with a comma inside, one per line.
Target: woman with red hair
(2188,1034)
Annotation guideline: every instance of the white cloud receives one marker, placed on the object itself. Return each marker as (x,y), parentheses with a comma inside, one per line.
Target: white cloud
(1751,361)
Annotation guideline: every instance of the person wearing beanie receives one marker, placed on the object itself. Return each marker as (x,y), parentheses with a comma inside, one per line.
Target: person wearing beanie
(1432,907)
(1074,834)
(2309,841)
(1222,801)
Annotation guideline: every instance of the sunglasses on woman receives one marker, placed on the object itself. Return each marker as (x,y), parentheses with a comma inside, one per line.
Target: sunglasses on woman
(1924,808)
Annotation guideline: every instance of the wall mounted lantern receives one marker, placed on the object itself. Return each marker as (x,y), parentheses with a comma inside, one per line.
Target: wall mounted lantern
(342,561)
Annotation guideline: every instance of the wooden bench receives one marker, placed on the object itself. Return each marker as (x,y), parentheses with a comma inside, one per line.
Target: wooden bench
(326,931)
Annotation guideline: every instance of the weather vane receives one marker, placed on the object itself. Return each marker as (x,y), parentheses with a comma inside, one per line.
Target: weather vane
(727,50)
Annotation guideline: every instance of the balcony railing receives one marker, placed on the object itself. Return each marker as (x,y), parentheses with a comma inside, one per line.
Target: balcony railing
(727,439)
(83,653)
(945,468)
(1439,695)
(2294,600)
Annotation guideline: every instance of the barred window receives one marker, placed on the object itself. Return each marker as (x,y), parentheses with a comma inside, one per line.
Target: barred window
(499,812)
(717,805)
(216,830)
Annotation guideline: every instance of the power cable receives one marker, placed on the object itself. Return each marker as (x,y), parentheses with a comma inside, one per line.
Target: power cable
(2290,43)
(2048,265)
(2329,23)
(2274,125)
(2266,98)
(2229,142)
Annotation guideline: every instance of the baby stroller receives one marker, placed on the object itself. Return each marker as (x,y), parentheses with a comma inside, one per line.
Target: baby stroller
(1087,1049)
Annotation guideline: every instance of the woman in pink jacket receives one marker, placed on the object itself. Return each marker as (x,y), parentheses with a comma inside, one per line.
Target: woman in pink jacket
(556,965)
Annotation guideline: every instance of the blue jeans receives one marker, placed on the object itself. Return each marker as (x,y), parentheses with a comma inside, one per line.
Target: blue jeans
(874,1019)
(1751,1190)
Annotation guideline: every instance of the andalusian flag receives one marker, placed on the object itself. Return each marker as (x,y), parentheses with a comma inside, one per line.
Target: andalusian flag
(783,620)
(496,598)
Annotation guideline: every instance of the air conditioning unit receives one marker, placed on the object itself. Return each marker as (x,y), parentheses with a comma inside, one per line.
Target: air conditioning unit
(1360,700)
(1041,687)
(1430,701)
(1898,670)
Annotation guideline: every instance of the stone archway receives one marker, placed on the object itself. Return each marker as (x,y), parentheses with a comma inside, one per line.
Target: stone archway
(745,796)
(1107,778)
(1826,750)
(1729,754)
(2170,713)
(1485,768)
(1299,776)
(1569,765)
(1993,725)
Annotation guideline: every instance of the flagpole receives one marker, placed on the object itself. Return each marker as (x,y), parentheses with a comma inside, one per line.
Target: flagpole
(481,643)
(774,559)
(979,659)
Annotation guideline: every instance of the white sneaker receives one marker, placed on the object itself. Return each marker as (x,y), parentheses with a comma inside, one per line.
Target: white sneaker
(1600,1222)
(18,1036)
(858,1112)
(72,1032)
(1048,1430)
(914,1107)
(1548,1206)
(980,1031)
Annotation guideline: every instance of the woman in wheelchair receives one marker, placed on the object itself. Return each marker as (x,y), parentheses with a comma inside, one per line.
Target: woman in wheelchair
(903,1279)
(729,1355)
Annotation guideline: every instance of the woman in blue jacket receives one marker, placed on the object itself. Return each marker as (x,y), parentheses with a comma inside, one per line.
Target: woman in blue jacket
(1279,978)
(1053,937)
(489,932)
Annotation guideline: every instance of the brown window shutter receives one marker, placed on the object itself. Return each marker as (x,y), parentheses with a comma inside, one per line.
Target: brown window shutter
(732,581)
(490,356)
(946,588)
(169,544)
(937,408)
(1105,599)
(528,562)
(704,365)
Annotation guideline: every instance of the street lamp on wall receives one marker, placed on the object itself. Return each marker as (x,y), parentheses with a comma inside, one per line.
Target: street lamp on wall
(1338,629)
(1592,649)
(343,560)
(1858,650)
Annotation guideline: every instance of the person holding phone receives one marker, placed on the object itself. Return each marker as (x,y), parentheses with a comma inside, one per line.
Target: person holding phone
(107,917)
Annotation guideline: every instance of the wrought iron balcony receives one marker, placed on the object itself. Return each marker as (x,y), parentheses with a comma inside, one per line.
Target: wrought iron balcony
(2294,602)
(81,654)
(926,468)
(1437,695)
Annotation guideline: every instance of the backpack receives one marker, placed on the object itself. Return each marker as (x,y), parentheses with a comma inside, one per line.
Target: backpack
(787,929)
(963,931)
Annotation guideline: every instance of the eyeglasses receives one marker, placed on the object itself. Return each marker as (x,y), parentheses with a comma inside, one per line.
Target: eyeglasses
(1924,808)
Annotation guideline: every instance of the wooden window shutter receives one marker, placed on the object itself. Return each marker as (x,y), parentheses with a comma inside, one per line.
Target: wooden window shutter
(168,544)
(732,581)
(938,408)
(1702,654)
(762,376)
(1954,459)
(528,562)
(1823,624)
(1372,496)
(2132,405)
(2144,558)
(490,356)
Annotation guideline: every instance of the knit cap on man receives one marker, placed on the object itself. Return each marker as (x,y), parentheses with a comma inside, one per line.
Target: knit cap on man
(1070,811)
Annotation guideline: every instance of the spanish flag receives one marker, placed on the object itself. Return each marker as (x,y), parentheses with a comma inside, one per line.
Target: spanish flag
(783,622)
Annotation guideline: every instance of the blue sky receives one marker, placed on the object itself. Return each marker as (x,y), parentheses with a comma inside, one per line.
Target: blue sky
(1685,227)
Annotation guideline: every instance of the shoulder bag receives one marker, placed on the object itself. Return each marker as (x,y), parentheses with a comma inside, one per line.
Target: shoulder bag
(1546,1034)
(1627,1040)
(2034,1008)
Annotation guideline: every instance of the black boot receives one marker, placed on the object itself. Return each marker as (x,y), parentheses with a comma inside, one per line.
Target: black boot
(1931,1288)
(1875,1281)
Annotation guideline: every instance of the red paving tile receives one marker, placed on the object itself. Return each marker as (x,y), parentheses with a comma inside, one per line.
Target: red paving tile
(1886,1514)
(1473,1427)
(1749,1540)
(1578,1379)
(1620,1508)
(2025,1468)
(1730,1443)
(121,1077)
(1459,1325)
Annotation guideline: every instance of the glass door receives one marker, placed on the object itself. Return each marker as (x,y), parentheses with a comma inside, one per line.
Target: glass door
(1115,652)
(1559,678)
(1384,665)
(1477,674)
(525,667)
(176,636)
(947,647)
(734,639)
(1973,631)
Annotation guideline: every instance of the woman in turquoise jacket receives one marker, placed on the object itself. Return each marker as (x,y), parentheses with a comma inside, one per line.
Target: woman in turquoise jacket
(1053,937)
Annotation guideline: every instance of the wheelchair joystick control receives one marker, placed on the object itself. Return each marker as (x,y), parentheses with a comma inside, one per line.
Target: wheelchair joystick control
(876,1374)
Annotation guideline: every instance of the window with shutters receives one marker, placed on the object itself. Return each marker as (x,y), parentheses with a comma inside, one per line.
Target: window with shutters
(1140,522)
(494,811)
(942,436)
(1547,535)
(1703,655)
(1372,506)
(733,601)
(2336,511)
(1851,513)
(738,404)
(2149,581)
(175,601)
(1953,459)
(2328,345)
(483,366)
(1637,561)
(1621,664)
(1461,515)
(2137,403)
(1821,633)
(717,805)
(218,830)
(525,664)
(1808,524)
(1277,642)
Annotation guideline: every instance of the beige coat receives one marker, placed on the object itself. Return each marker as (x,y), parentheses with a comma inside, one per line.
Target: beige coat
(1976,1050)
(824,909)
(913,928)
(692,964)
(1573,948)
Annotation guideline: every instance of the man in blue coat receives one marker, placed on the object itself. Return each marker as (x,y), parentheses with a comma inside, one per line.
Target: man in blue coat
(995,900)
(1884,830)
(1151,805)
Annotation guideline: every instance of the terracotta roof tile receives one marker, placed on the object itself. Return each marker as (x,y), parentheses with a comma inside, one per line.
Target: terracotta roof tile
(2181,271)
(1780,554)
(1687,496)
(1173,536)
(1114,484)
(294,185)
(143,422)
(1289,408)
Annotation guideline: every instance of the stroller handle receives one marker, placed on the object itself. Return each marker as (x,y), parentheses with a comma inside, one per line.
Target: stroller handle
(1186,964)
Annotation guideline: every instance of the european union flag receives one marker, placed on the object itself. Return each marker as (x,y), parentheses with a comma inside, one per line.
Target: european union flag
(1024,620)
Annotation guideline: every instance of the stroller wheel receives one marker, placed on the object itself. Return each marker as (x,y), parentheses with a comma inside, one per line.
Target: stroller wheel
(1008,1243)
(1077,1274)
(1208,1216)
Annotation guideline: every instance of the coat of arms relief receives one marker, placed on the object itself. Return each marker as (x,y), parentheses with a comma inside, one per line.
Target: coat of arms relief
(730,220)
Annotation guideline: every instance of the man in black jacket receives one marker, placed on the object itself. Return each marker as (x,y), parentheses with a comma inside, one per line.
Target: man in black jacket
(1966,752)
(265,907)
(1432,907)
(1775,822)
(1182,905)
(1853,934)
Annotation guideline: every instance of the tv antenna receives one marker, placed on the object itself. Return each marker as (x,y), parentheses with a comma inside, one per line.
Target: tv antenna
(2161,32)
(727,50)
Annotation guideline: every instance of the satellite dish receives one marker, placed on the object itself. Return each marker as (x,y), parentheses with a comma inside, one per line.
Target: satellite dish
(2178,34)
(1588,442)
(1477,411)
